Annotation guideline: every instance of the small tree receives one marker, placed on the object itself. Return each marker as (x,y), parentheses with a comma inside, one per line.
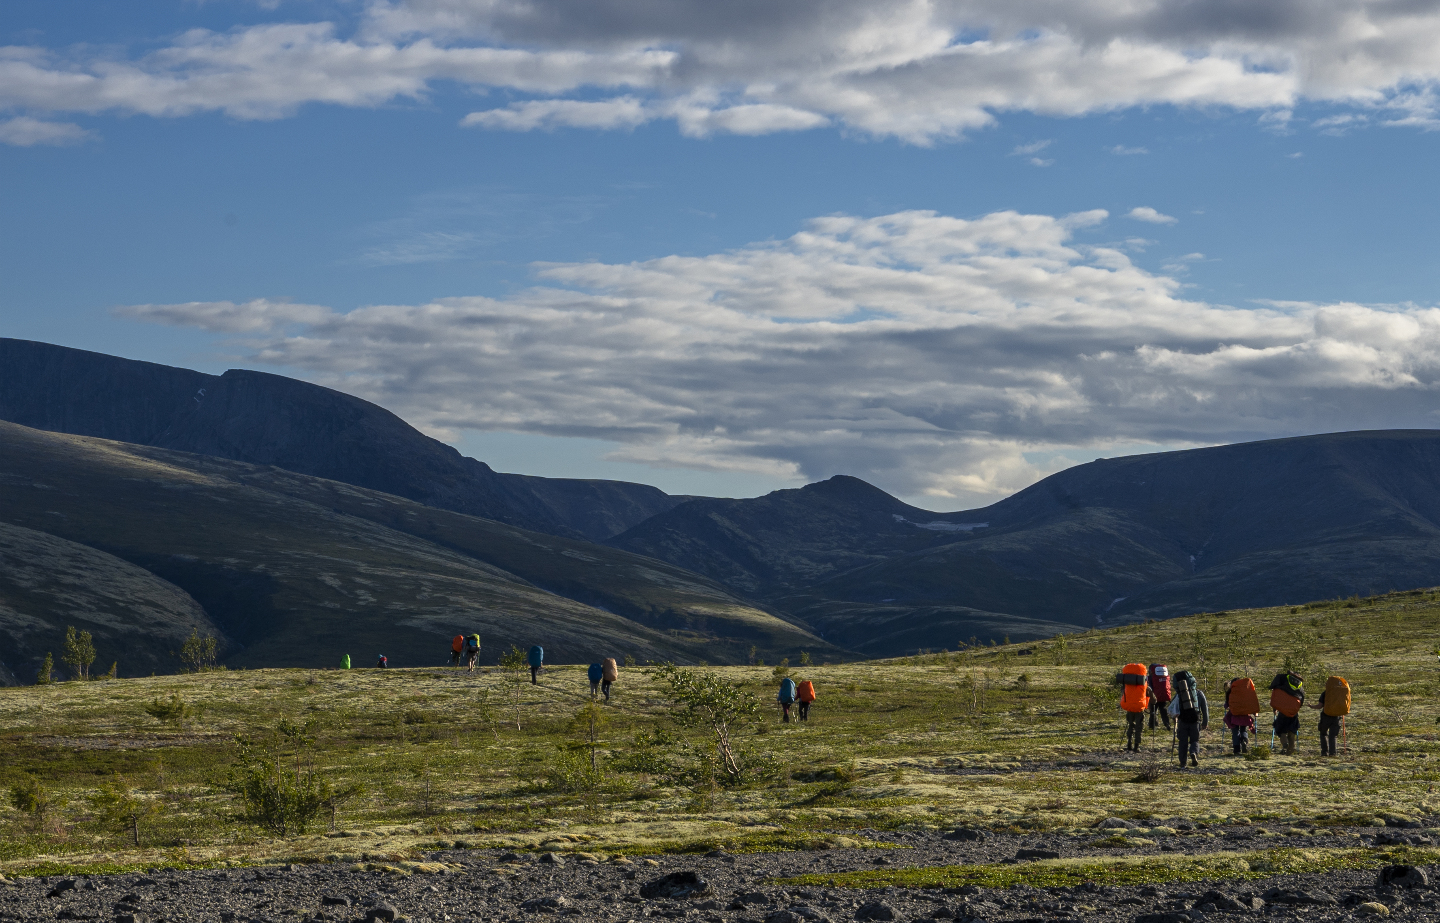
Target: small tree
(169,711)
(713,703)
(276,794)
(30,797)
(47,666)
(123,811)
(197,653)
(79,651)
(513,663)
(805,658)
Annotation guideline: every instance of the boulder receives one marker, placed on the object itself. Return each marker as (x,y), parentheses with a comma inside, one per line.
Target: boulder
(875,910)
(676,886)
(1403,876)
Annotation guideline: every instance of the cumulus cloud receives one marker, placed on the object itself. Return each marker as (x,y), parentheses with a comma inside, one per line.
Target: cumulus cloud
(930,354)
(23,131)
(920,70)
(1146,213)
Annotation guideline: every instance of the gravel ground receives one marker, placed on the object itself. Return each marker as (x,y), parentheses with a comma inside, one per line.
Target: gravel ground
(722,888)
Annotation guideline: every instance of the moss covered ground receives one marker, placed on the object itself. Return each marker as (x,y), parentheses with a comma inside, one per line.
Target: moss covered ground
(1012,737)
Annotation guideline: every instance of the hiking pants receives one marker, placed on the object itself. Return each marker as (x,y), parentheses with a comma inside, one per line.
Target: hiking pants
(1329,730)
(804,711)
(534,672)
(1134,729)
(1156,707)
(785,712)
(1287,743)
(1189,737)
(594,690)
(1240,739)
(605,688)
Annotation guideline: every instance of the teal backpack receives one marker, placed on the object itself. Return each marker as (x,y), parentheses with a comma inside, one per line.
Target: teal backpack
(787,691)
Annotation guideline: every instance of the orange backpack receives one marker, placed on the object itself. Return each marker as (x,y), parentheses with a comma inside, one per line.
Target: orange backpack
(1135,695)
(1243,700)
(807,691)
(1337,697)
(1285,703)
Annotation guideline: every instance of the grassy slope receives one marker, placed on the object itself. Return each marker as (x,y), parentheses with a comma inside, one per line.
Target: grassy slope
(299,570)
(993,736)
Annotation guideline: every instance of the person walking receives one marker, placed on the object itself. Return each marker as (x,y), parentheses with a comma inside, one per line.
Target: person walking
(472,652)
(457,645)
(1160,693)
(1193,712)
(596,673)
(536,659)
(805,695)
(1334,704)
(786,698)
(1287,695)
(383,662)
(609,673)
(1134,699)
(1241,707)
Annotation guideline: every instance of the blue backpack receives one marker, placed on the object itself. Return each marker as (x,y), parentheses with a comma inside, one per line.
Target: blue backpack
(536,656)
(787,691)
(597,672)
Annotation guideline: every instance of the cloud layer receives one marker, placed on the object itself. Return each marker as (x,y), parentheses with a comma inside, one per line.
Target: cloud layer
(921,70)
(933,355)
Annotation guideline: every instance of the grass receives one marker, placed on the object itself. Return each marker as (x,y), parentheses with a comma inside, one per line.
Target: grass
(908,743)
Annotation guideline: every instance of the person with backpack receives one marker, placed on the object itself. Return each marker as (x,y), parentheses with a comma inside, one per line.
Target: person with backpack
(457,644)
(786,698)
(1287,694)
(1160,694)
(595,673)
(1192,710)
(471,652)
(805,695)
(536,659)
(344,661)
(383,662)
(1335,705)
(1241,707)
(609,673)
(1135,700)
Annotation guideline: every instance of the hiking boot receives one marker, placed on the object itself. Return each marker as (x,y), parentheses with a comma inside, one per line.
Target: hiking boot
(1194,763)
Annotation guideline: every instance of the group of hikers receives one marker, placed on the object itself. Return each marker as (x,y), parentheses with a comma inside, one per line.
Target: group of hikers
(1155,692)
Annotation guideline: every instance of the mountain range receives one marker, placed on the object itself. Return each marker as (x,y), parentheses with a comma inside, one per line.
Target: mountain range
(285,519)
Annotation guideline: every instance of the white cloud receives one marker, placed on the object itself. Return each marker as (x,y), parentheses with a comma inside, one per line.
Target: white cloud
(1148,214)
(1123,151)
(926,353)
(23,131)
(910,69)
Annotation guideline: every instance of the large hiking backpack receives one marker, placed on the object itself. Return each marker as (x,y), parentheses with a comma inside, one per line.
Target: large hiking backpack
(1242,699)
(609,671)
(1160,683)
(536,657)
(787,691)
(1133,694)
(806,691)
(472,643)
(1287,692)
(457,643)
(1187,696)
(595,672)
(1337,697)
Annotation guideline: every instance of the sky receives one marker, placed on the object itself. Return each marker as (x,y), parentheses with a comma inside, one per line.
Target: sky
(728,248)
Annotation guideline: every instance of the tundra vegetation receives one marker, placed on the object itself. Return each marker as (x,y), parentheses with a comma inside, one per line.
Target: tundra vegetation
(378,766)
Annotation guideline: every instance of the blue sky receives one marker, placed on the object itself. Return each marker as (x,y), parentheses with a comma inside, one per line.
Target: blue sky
(722,255)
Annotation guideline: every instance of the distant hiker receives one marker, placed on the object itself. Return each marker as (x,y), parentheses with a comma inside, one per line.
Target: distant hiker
(1241,707)
(609,672)
(1287,694)
(1335,705)
(1159,682)
(536,659)
(1135,699)
(457,644)
(382,663)
(472,652)
(786,698)
(1193,711)
(344,661)
(805,694)
(596,674)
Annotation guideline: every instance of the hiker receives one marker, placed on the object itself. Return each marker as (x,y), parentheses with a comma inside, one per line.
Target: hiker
(1241,707)
(1159,682)
(1287,694)
(1135,699)
(472,652)
(597,673)
(382,663)
(609,672)
(536,659)
(786,698)
(457,644)
(1335,705)
(1193,711)
(805,694)
(344,661)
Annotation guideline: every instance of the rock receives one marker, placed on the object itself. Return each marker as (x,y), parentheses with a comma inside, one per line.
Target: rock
(548,904)
(332,900)
(749,898)
(1403,876)
(1394,820)
(719,854)
(129,918)
(1037,854)
(1372,909)
(1172,916)
(1222,902)
(798,914)
(63,885)
(550,858)
(382,911)
(875,910)
(1115,823)
(965,835)
(1284,896)
(676,885)
(650,863)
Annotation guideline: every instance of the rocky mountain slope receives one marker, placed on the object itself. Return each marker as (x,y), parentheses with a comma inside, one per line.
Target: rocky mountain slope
(139,545)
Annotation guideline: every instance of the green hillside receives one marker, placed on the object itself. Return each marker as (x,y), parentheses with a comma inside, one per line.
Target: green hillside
(293,570)
(1018,737)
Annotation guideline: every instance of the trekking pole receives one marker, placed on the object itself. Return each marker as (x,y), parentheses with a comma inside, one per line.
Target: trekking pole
(1345,733)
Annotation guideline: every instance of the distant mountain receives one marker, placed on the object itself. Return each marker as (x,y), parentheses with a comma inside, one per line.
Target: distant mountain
(141,545)
(1116,540)
(272,420)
